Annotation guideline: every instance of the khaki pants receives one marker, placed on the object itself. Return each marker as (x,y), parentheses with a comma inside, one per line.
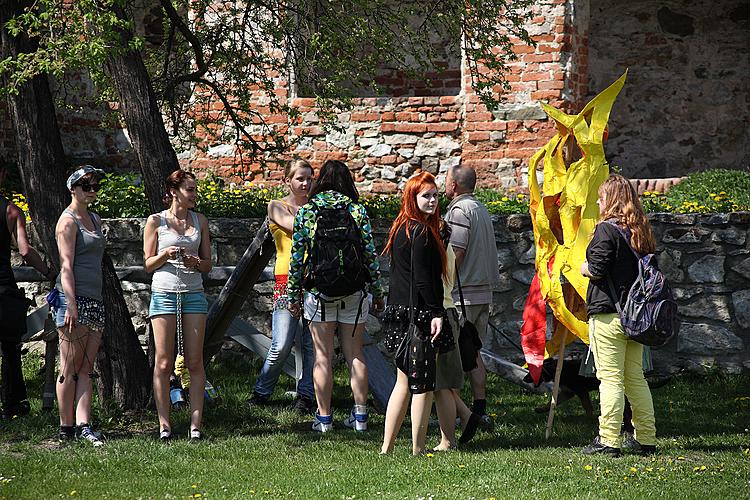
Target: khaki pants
(619,368)
(479,316)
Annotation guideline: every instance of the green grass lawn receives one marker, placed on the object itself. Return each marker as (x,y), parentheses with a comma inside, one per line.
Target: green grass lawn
(703,426)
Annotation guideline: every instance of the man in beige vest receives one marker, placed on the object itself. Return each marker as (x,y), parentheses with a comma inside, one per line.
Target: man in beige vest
(473,240)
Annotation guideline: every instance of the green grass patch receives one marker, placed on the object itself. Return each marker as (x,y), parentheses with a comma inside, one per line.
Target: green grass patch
(703,427)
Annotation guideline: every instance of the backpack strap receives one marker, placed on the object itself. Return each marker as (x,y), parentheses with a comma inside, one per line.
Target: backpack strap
(625,237)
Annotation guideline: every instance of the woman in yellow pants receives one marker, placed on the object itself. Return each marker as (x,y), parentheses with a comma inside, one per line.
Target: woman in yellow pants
(618,360)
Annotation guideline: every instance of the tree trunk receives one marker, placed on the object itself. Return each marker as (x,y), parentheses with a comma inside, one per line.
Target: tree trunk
(140,109)
(41,159)
(124,370)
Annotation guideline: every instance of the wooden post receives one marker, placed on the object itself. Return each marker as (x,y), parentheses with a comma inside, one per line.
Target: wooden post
(556,386)
(50,359)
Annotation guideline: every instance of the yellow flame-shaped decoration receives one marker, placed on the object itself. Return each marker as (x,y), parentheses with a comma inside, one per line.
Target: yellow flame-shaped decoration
(565,211)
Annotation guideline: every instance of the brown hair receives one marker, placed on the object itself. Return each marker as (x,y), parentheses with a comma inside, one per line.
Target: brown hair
(174,181)
(294,164)
(621,202)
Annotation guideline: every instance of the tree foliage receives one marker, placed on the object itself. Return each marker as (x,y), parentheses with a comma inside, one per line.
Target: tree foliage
(223,68)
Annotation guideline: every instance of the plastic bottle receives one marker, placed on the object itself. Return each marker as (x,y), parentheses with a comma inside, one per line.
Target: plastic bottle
(176,393)
(210,394)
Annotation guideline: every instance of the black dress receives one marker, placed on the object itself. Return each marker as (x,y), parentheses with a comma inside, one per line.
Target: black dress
(416,257)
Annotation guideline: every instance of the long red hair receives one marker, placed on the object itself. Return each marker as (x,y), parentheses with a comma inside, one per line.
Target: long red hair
(410,214)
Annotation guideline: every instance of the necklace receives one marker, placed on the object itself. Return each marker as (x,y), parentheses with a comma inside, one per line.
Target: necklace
(177,218)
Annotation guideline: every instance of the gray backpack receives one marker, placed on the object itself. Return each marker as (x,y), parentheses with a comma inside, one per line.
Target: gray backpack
(649,315)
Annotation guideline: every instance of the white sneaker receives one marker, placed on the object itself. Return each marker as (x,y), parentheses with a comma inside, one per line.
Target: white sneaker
(92,437)
(357,419)
(319,425)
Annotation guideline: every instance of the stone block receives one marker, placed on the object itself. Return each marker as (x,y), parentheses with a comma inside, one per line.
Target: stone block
(436,147)
(681,294)
(525,276)
(701,338)
(685,235)
(505,259)
(506,283)
(714,307)
(519,222)
(379,150)
(708,269)
(398,139)
(669,263)
(743,268)
(366,142)
(732,236)
(519,111)
(741,302)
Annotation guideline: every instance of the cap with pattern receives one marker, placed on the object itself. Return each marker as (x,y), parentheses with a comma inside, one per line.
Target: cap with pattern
(82,171)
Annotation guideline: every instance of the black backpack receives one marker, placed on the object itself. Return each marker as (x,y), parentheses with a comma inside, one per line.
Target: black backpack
(336,262)
(649,315)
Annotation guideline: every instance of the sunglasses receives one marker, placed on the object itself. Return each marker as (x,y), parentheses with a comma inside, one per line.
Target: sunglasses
(89,187)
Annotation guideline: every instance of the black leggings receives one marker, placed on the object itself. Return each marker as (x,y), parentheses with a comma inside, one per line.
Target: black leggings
(13,389)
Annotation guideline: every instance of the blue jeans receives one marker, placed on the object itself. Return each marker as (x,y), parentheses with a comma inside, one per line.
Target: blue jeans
(285,329)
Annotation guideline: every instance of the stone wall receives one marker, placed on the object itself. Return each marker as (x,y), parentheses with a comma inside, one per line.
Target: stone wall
(706,257)
(686,104)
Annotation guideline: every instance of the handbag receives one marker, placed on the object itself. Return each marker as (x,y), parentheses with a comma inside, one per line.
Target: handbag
(469,342)
(53,298)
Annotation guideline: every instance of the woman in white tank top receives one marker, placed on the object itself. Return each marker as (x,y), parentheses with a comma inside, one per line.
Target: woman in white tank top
(176,248)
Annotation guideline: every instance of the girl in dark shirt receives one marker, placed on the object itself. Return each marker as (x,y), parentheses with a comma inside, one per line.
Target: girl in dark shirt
(618,360)
(418,262)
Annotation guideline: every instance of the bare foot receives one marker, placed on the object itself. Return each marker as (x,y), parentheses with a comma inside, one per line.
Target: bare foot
(444,447)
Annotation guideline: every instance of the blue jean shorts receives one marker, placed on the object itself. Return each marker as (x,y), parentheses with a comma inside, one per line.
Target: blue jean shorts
(90,312)
(166,303)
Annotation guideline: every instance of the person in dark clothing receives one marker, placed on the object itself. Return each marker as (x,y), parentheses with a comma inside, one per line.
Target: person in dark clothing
(13,305)
(418,262)
(618,360)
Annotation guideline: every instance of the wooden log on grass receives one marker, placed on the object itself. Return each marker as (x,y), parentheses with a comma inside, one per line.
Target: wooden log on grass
(236,290)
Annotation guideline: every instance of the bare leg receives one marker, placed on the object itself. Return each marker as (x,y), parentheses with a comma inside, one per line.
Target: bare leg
(322,334)
(163,327)
(445,404)
(84,389)
(421,407)
(194,329)
(71,358)
(396,411)
(352,348)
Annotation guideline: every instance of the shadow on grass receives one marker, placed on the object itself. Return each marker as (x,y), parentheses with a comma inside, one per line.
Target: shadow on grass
(695,411)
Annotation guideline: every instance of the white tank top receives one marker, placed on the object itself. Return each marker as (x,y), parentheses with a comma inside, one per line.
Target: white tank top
(173,276)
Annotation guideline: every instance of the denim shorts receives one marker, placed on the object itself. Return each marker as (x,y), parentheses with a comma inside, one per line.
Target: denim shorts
(166,303)
(90,312)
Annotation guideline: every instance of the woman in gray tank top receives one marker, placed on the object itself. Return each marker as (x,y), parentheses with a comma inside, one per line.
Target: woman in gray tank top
(176,248)
(79,312)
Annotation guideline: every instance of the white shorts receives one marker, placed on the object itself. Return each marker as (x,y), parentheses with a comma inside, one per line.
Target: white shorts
(322,309)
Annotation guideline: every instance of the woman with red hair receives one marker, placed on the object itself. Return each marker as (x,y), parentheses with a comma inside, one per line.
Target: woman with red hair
(418,262)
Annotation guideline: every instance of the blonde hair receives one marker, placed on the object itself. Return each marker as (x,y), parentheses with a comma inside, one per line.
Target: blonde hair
(621,202)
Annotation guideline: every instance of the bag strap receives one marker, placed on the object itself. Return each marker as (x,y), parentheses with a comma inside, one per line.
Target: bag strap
(460,291)
(625,237)
(615,297)
(411,282)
